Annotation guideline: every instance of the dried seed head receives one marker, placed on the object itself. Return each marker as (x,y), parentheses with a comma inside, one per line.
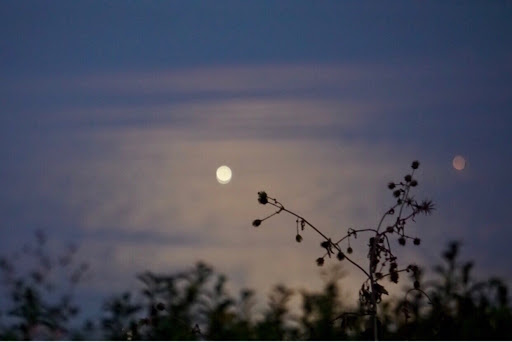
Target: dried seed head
(413,268)
(416,284)
(415,164)
(325,244)
(160,306)
(426,207)
(408,178)
(256,223)
(262,197)
(340,256)
(349,250)
(417,241)
(298,238)
(414,182)
(390,229)
(401,241)
(391,185)
(394,276)
(320,261)
(397,193)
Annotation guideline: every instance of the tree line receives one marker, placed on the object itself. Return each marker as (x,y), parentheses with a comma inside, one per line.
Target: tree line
(195,305)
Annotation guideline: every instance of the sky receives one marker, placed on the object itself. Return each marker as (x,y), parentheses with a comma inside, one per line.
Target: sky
(116,115)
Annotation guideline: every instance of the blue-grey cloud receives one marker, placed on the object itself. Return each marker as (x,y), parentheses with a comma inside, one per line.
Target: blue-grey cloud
(126,163)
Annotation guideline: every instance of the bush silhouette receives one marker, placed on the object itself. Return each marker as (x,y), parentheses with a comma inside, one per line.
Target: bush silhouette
(194,304)
(37,310)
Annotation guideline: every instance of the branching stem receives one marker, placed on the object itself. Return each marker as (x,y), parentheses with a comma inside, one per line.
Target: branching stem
(380,252)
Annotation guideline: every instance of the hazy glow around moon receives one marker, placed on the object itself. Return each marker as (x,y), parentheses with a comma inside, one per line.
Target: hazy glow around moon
(459,163)
(224,174)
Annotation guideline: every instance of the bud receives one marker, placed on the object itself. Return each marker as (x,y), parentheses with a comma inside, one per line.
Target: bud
(394,276)
(413,268)
(262,197)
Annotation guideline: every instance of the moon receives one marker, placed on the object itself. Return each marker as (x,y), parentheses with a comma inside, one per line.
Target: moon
(224,174)
(459,163)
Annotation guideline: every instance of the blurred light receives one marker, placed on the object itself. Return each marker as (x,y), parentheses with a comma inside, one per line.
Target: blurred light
(459,163)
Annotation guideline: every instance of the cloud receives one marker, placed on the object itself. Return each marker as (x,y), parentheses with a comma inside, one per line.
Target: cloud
(218,79)
(127,162)
(160,196)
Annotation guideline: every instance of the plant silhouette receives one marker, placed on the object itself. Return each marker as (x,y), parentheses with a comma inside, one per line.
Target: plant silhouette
(37,309)
(194,304)
(383,263)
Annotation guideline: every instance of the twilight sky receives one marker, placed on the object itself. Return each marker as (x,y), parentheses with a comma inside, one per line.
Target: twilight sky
(115,116)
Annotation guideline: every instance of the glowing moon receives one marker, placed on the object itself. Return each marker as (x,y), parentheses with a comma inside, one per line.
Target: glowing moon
(224,174)
(459,163)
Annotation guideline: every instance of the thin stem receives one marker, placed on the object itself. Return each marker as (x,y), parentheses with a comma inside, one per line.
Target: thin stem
(406,195)
(398,271)
(355,230)
(365,230)
(350,313)
(350,260)
(269,216)
(307,222)
(374,300)
(419,290)
(384,216)
(377,244)
(319,232)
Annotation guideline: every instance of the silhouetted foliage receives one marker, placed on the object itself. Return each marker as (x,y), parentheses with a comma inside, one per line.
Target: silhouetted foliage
(380,251)
(194,304)
(462,307)
(41,300)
